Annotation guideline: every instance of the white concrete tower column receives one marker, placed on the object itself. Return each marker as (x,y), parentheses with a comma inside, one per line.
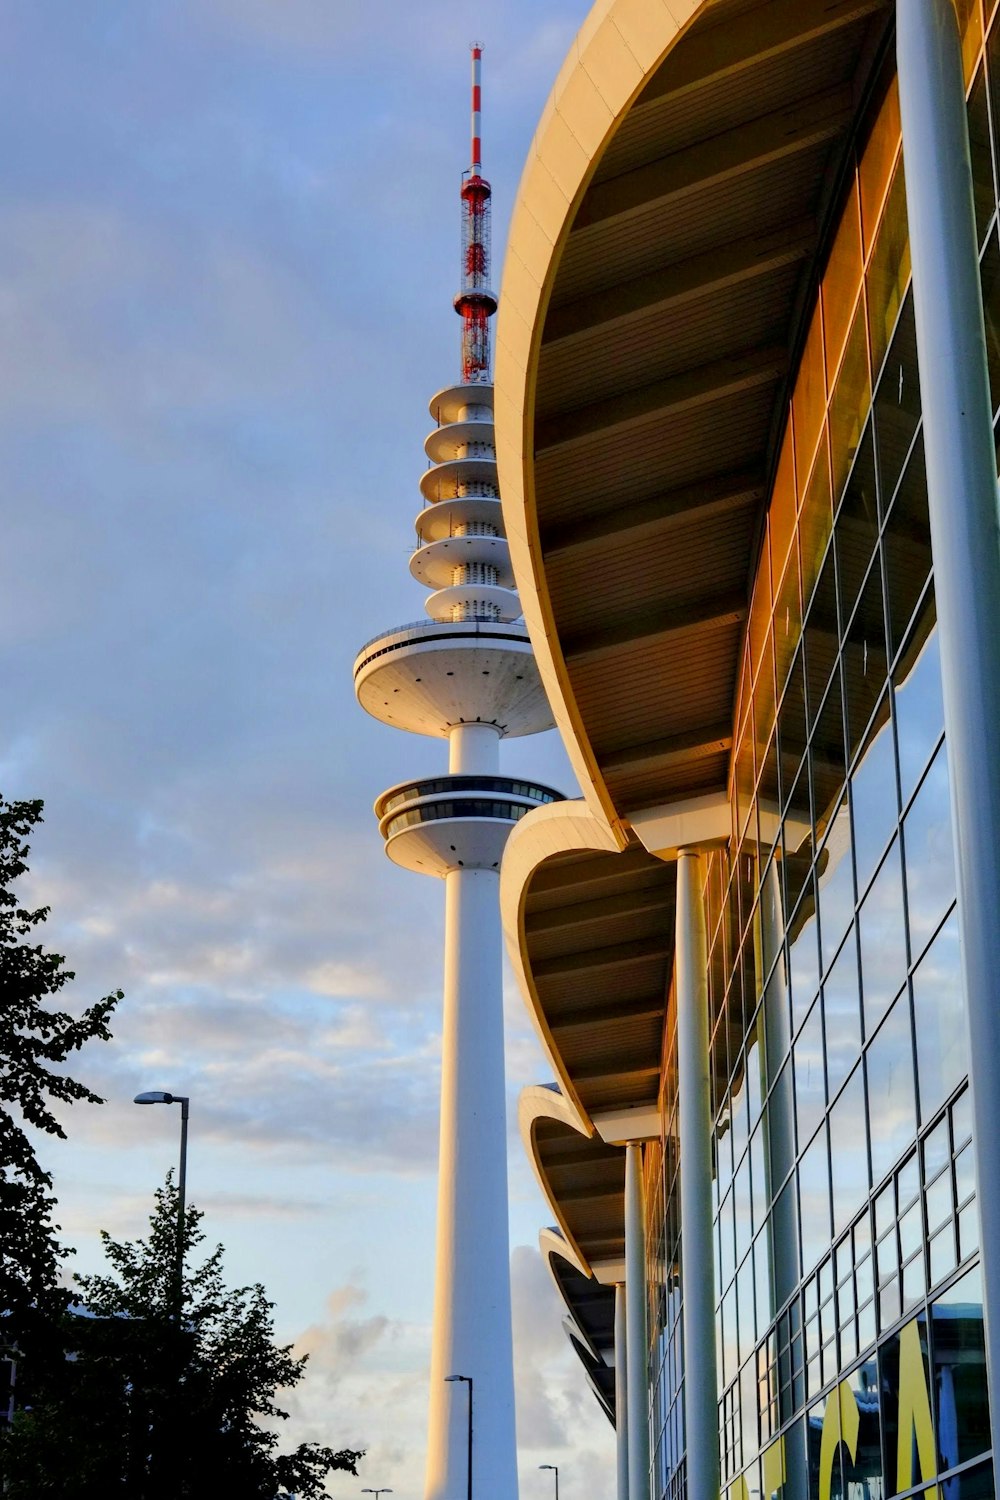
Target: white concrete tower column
(621,1389)
(962,497)
(472,1318)
(701,1414)
(635,1324)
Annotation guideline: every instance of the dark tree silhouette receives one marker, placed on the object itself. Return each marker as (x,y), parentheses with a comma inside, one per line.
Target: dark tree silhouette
(35,1040)
(153,1405)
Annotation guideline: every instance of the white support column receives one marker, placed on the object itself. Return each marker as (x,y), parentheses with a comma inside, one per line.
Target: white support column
(701,1414)
(621,1389)
(962,497)
(472,1314)
(635,1339)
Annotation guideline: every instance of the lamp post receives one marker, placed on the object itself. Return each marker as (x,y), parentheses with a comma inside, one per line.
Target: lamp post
(555,1470)
(377,1492)
(160,1096)
(468,1381)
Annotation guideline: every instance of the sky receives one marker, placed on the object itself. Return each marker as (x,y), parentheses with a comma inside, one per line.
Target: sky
(228,245)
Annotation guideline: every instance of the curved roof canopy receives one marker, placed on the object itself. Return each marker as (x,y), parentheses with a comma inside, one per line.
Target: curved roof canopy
(662,258)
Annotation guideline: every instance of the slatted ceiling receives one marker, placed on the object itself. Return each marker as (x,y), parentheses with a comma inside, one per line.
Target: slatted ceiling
(576,877)
(663,452)
(602,255)
(617,926)
(653,345)
(568,992)
(668,123)
(634,792)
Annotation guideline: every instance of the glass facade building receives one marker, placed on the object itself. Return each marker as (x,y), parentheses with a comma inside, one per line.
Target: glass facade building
(691,408)
(848,1296)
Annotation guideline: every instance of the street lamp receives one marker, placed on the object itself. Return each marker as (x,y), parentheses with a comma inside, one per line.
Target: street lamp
(555,1470)
(377,1492)
(160,1096)
(468,1381)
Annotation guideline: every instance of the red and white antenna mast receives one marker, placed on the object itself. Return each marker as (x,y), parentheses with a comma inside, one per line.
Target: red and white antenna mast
(476,303)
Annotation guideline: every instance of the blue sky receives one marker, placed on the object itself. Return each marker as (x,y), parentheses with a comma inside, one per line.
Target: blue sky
(229,246)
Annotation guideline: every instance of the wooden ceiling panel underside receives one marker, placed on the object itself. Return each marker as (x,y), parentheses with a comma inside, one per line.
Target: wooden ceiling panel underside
(676,312)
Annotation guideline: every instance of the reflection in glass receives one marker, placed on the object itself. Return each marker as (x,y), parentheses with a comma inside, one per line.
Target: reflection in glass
(814,1200)
(961,1405)
(889,269)
(919,709)
(873,796)
(849,1158)
(897,403)
(836,883)
(929,854)
(939,1017)
(891,1102)
(883,940)
(906,545)
(810,1084)
(842,1008)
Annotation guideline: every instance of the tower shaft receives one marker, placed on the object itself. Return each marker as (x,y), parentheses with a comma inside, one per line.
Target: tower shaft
(467,675)
(472,1309)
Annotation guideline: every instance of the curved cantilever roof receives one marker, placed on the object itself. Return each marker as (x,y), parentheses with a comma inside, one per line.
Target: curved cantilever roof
(590,934)
(590,1323)
(582,1178)
(661,258)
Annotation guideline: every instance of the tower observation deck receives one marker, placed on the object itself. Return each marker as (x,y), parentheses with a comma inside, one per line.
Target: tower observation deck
(466,675)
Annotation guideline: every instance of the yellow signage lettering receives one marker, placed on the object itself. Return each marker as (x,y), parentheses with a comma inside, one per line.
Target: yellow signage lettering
(915,1429)
(840,1425)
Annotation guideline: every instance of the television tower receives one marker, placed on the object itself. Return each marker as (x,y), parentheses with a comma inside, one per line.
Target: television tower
(467,676)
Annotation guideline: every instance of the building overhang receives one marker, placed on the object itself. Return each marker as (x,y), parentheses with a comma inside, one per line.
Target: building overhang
(662,260)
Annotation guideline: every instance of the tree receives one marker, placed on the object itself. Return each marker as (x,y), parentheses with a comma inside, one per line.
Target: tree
(155,1405)
(34,1043)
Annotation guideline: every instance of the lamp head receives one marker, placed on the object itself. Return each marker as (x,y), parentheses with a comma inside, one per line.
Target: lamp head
(154,1096)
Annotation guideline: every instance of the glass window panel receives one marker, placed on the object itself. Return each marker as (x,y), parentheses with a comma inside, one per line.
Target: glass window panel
(864,1473)
(929,854)
(965,1174)
(814,1200)
(850,401)
(984,195)
(815,525)
(842,1008)
(821,644)
(888,269)
(804,955)
(894,1359)
(906,547)
(865,662)
(891,1098)
(942,1253)
(897,404)
(908,1182)
(914,1282)
(968,1231)
(919,707)
(939,1202)
(866,1325)
(856,530)
(877,163)
(961,1401)
(835,873)
(827,760)
(937,1149)
(741,1205)
(970,26)
(809,399)
(961,1118)
(990,272)
(939,1016)
(883,940)
(792,729)
(817,1419)
(864,1281)
(873,796)
(842,280)
(810,1082)
(849,1151)
(911,1231)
